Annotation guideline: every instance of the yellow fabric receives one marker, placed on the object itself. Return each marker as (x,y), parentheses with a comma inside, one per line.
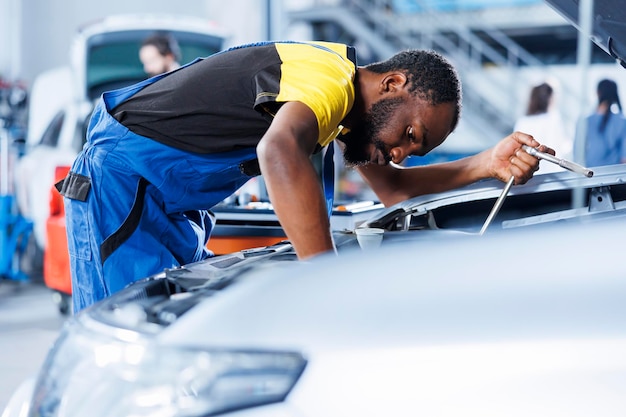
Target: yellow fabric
(321,79)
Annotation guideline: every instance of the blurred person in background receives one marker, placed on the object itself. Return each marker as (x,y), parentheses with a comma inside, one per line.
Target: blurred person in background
(544,123)
(159,53)
(605,141)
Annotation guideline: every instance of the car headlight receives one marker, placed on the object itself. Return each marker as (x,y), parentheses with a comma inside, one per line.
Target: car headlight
(91,373)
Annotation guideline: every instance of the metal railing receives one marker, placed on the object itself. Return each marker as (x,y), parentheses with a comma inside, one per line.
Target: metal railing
(383,26)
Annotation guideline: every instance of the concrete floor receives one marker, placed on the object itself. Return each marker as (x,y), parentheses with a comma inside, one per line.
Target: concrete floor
(29,323)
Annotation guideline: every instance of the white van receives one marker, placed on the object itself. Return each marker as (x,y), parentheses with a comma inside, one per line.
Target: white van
(104,55)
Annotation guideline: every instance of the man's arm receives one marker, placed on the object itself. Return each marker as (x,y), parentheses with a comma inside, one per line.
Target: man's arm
(292,182)
(393,184)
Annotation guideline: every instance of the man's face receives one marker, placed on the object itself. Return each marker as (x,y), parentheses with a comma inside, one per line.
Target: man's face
(153,62)
(364,136)
(395,128)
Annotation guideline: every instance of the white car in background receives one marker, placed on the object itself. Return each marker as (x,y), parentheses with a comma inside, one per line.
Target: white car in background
(104,55)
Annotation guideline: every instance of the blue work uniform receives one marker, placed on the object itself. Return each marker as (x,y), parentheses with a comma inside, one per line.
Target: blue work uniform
(161,153)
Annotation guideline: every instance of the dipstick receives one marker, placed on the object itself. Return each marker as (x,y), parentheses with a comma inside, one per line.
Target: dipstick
(498,205)
(563,163)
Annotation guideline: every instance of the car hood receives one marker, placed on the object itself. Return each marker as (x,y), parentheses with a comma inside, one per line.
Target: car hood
(412,294)
(608,24)
(156,303)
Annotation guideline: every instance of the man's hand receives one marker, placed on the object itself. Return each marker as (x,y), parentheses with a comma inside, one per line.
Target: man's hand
(393,184)
(508,158)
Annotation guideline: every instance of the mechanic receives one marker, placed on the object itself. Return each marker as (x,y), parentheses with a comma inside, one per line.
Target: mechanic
(162,152)
(159,53)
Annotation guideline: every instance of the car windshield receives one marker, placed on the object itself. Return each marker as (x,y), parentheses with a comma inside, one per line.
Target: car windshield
(50,136)
(113,58)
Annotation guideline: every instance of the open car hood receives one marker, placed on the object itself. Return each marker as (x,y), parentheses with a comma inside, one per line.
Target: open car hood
(609,24)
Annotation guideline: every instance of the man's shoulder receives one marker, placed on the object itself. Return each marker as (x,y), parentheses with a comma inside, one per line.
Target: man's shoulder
(344,51)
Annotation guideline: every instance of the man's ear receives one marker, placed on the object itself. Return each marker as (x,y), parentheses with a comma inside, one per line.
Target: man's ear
(393,81)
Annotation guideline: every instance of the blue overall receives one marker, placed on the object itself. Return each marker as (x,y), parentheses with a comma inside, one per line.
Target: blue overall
(136,210)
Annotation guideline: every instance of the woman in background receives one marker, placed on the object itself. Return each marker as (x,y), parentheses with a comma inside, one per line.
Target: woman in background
(606,129)
(544,123)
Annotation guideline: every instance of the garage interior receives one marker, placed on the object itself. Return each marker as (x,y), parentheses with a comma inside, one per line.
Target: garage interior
(496,45)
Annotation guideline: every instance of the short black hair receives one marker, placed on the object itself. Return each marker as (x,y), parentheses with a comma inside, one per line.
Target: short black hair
(432,77)
(165,43)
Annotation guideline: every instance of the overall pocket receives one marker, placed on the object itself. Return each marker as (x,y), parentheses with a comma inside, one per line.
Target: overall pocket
(75,190)
(77,224)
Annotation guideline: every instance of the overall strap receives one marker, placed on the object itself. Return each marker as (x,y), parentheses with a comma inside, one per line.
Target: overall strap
(328,176)
(114,97)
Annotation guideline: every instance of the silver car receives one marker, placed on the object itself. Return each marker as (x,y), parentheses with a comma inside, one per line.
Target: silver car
(440,320)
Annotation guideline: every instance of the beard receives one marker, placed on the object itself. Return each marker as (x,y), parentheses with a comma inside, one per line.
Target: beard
(359,140)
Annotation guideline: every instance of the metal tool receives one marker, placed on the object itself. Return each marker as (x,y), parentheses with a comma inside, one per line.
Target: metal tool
(563,163)
(496,207)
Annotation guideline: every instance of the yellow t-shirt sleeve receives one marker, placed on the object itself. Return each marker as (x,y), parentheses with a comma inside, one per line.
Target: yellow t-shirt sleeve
(322,80)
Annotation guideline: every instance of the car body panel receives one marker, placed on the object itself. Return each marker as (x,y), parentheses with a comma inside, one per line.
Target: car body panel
(49,93)
(516,323)
(412,299)
(457,215)
(19,403)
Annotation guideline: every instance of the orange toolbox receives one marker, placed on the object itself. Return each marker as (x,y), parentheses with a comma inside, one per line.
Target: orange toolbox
(56,260)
